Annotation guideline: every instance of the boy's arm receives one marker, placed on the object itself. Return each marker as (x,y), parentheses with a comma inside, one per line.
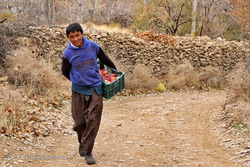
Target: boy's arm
(105,59)
(66,66)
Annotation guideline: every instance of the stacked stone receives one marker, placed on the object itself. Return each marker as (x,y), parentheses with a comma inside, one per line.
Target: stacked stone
(201,52)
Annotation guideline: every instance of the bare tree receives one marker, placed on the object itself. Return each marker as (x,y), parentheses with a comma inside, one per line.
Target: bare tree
(214,16)
(177,15)
(65,11)
(205,11)
(165,15)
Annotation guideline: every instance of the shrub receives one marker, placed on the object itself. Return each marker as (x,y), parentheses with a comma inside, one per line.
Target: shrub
(182,76)
(37,77)
(241,114)
(237,104)
(141,78)
(239,81)
(12,115)
(213,77)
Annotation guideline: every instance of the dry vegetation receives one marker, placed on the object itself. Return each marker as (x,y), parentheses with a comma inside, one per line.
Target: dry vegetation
(13,115)
(35,76)
(28,79)
(182,76)
(8,32)
(213,77)
(111,27)
(141,78)
(239,81)
(237,106)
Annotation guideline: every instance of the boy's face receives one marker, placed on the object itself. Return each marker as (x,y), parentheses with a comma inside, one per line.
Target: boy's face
(76,38)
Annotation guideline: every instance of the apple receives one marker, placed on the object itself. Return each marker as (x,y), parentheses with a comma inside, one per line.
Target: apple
(104,71)
(106,81)
(112,75)
(112,78)
(100,71)
(106,77)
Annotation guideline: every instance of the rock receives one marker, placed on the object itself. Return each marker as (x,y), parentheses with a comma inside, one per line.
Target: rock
(4,79)
(129,142)
(104,35)
(20,161)
(204,62)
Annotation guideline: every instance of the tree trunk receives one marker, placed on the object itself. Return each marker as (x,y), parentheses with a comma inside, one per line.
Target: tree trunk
(194,17)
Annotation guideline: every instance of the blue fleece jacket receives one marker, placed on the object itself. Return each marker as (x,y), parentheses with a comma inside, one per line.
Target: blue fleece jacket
(84,71)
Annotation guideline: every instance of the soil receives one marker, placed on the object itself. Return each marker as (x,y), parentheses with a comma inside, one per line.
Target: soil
(163,129)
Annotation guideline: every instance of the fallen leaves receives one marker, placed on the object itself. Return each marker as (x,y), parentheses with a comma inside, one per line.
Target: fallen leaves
(164,39)
(33,117)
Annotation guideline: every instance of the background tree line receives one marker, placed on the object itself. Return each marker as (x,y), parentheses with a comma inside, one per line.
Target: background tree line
(226,18)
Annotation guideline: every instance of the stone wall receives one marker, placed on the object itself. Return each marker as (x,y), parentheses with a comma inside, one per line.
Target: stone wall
(201,52)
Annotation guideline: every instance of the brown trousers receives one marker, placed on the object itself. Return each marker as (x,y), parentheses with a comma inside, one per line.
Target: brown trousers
(86,112)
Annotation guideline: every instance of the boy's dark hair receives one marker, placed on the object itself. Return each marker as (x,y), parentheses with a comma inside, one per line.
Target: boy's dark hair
(73,27)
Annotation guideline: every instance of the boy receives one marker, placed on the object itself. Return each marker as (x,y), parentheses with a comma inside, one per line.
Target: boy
(79,65)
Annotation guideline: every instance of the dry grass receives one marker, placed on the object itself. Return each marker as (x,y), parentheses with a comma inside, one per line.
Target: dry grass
(141,78)
(239,82)
(237,103)
(113,27)
(28,78)
(36,77)
(237,115)
(182,76)
(12,113)
(8,32)
(241,113)
(212,77)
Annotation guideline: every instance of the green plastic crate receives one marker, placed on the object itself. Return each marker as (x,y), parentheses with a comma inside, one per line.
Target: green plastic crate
(111,89)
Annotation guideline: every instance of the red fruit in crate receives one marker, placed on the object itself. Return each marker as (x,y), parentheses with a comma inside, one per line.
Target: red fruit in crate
(104,71)
(104,77)
(100,71)
(106,81)
(112,75)
(112,78)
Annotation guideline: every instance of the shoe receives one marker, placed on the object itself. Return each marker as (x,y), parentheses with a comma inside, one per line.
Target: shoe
(82,154)
(89,159)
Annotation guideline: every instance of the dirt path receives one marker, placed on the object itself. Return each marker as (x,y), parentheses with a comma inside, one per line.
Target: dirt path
(170,129)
